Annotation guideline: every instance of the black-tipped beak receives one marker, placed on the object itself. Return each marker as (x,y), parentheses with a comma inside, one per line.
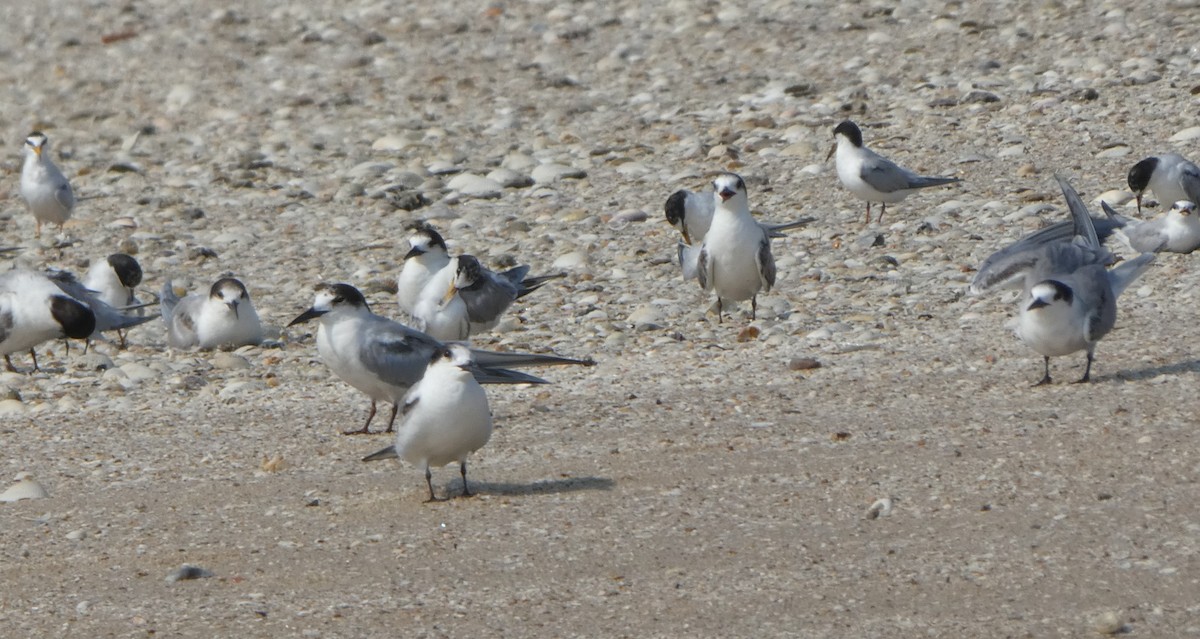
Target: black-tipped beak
(307,315)
(1139,203)
(832,148)
(414,251)
(687,239)
(725,194)
(233,306)
(1037,304)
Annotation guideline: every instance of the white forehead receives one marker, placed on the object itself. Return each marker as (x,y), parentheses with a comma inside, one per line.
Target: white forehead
(36,140)
(459,354)
(726,182)
(1043,291)
(1184,205)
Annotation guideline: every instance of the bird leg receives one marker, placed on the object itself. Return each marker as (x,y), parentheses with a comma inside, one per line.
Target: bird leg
(395,407)
(363,430)
(1087,372)
(429,483)
(38,229)
(868,220)
(34,356)
(753,307)
(121,336)
(462,468)
(9,365)
(719,309)
(1045,378)
(882,210)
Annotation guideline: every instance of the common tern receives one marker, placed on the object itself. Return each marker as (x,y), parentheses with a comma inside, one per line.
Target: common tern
(384,359)
(445,417)
(871,176)
(1171,176)
(225,318)
(1176,231)
(107,317)
(45,189)
(472,299)
(441,312)
(114,280)
(691,213)
(735,257)
(34,310)
(427,256)
(1070,296)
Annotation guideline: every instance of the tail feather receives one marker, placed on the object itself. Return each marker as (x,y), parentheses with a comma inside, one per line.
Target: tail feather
(531,284)
(776,230)
(386,453)
(926,181)
(167,300)
(1124,274)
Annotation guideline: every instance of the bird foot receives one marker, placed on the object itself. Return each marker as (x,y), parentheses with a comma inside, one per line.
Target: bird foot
(1043,382)
(362,431)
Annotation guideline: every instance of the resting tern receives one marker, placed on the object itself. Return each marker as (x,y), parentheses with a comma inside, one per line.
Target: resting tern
(1176,231)
(384,359)
(107,318)
(225,318)
(445,417)
(426,258)
(45,189)
(871,176)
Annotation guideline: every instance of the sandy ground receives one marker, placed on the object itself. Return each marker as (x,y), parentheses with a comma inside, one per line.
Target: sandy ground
(690,484)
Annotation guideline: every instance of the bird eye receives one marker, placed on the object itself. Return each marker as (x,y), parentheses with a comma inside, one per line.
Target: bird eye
(339,299)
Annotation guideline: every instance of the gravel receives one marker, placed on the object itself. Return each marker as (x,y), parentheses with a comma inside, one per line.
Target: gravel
(704,479)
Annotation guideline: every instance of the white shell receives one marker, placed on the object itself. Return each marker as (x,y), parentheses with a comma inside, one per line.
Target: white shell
(26,488)
(881,508)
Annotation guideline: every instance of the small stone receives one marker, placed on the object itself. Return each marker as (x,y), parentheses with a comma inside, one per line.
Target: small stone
(1190,133)
(553,172)
(803,364)
(473,186)
(748,334)
(77,535)
(187,572)
(510,179)
(11,407)
(1107,623)
(26,488)
(572,260)
(230,361)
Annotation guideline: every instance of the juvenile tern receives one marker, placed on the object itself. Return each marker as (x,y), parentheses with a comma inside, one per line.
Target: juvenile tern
(735,257)
(426,258)
(445,417)
(691,212)
(384,359)
(114,279)
(1176,231)
(441,312)
(872,177)
(1171,176)
(225,318)
(34,310)
(1070,298)
(45,189)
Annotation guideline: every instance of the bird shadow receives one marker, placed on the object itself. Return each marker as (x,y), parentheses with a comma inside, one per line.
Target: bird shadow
(1190,366)
(544,486)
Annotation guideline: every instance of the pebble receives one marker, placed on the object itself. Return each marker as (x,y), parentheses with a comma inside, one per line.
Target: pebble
(471,185)
(26,488)
(509,178)
(229,361)
(187,572)
(1186,135)
(552,172)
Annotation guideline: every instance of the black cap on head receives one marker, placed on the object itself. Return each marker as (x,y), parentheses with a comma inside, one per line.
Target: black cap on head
(346,294)
(226,282)
(1139,175)
(75,318)
(469,268)
(127,269)
(851,131)
(675,207)
(435,238)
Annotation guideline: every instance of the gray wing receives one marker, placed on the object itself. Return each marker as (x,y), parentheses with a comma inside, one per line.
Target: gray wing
(1189,178)
(1093,293)
(886,176)
(181,324)
(1126,272)
(766,263)
(488,300)
(65,195)
(395,353)
(6,320)
(704,269)
(776,230)
(1147,237)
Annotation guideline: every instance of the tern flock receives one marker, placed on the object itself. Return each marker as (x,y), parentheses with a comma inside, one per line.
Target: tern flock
(1070,283)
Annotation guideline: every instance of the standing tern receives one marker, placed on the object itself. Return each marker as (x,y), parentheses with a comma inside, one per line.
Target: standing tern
(427,256)
(114,280)
(225,318)
(691,213)
(1070,296)
(384,359)
(45,189)
(1171,176)
(445,417)
(107,318)
(871,176)
(735,257)
(34,310)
